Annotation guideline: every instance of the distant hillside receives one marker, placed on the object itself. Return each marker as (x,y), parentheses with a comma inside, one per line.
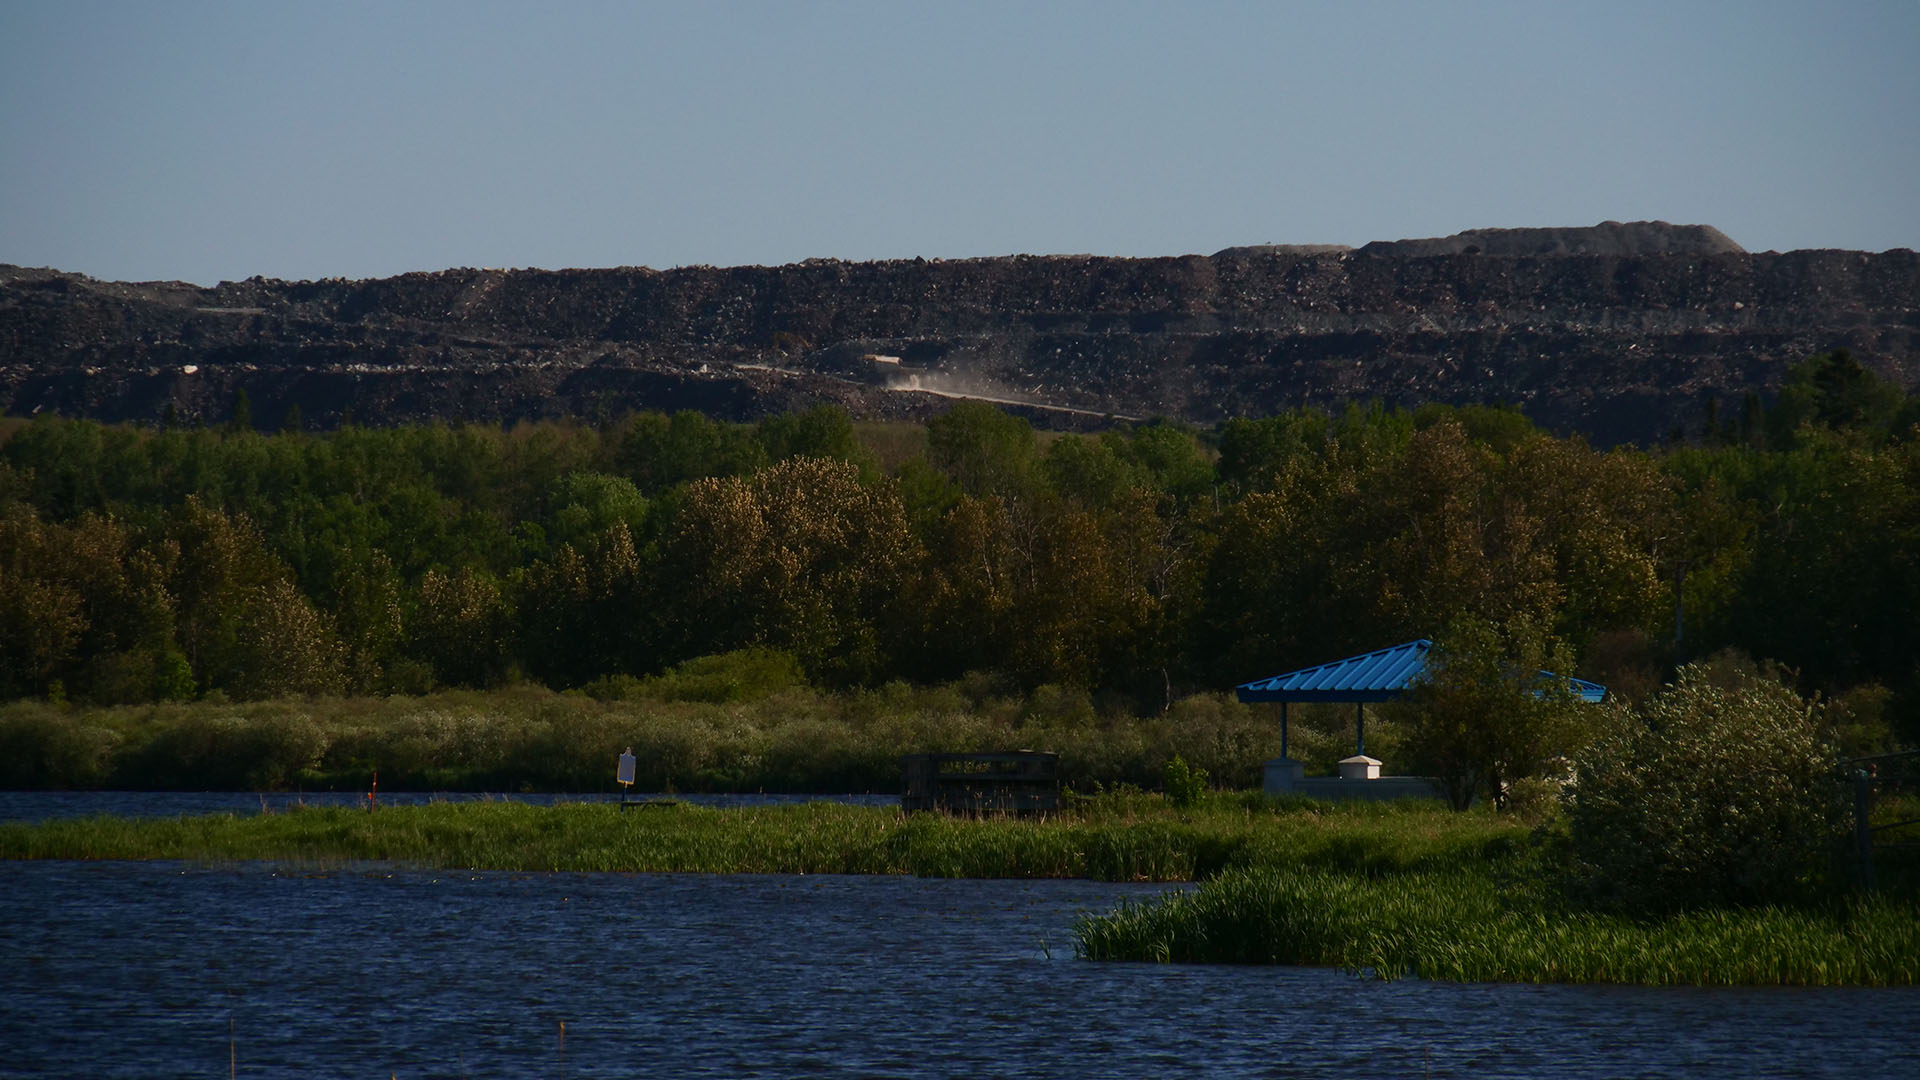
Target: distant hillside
(1606,238)
(1618,331)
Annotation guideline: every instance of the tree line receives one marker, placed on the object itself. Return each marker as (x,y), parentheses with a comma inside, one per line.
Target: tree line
(151,564)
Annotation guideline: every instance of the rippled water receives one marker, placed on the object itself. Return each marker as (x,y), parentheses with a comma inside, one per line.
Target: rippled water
(46,805)
(143,969)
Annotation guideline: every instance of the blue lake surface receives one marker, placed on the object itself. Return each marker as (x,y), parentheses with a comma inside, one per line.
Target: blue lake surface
(167,969)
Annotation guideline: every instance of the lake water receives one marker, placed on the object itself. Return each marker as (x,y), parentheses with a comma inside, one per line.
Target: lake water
(167,969)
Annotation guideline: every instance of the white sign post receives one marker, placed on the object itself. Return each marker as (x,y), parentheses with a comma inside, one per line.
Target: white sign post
(625,776)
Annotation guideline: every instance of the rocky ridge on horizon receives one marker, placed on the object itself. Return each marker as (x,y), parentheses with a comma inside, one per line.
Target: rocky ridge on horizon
(1620,332)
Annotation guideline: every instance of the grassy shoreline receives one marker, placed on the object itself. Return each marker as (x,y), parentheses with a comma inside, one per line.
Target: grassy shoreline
(1115,838)
(1468,927)
(1388,890)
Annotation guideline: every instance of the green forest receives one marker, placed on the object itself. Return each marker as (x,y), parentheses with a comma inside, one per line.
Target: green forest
(1135,566)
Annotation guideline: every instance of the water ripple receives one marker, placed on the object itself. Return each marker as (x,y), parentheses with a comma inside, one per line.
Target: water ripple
(137,969)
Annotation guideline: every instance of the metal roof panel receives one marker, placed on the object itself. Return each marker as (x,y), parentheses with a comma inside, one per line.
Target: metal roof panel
(1376,676)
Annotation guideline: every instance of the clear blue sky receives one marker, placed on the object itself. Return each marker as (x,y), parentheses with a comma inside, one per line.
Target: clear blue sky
(202,141)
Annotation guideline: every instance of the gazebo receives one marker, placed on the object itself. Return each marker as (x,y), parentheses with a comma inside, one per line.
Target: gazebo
(1371,677)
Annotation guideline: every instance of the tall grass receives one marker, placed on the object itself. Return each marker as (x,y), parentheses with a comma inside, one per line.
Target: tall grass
(688,732)
(1116,838)
(1472,926)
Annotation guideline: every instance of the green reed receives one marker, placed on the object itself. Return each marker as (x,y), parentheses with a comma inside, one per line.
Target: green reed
(1472,926)
(1125,838)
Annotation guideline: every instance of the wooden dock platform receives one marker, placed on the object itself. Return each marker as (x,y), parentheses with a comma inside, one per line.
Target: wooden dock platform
(1011,783)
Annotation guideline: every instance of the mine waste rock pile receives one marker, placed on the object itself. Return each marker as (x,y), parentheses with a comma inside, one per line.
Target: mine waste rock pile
(1619,331)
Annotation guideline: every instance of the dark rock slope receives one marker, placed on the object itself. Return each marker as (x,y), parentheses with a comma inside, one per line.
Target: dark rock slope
(1620,332)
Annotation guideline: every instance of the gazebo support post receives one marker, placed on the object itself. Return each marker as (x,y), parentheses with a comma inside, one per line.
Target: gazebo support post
(1360,727)
(1283,729)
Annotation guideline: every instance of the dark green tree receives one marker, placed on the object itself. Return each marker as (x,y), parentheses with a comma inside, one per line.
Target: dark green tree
(459,626)
(1833,391)
(1486,713)
(658,452)
(984,450)
(241,418)
(801,556)
(825,431)
(585,613)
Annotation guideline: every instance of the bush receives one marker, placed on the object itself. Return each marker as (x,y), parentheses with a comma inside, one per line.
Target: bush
(1857,722)
(1185,784)
(1707,794)
(744,675)
(1534,798)
(41,747)
(1053,705)
(226,753)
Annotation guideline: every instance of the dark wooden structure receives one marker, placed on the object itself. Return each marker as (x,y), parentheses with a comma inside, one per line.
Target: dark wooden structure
(1013,783)
(1875,778)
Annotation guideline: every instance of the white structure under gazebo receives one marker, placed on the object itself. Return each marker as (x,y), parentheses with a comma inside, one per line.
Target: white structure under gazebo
(1366,679)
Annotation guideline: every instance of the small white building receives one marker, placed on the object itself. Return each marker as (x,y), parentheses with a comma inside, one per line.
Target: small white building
(1359,767)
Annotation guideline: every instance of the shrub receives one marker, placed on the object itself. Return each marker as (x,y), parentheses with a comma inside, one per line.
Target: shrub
(41,747)
(1534,798)
(1054,705)
(1707,794)
(744,675)
(226,753)
(1185,784)
(1857,722)
(614,688)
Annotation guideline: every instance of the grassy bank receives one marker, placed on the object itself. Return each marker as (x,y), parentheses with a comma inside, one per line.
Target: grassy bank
(1472,926)
(1112,838)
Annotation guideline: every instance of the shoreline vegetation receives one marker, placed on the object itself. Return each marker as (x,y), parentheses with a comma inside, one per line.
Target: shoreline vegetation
(1124,836)
(736,723)
(1389,890)
(1464,926)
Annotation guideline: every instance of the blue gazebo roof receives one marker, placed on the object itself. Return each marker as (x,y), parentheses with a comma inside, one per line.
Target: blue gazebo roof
(1374,676)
